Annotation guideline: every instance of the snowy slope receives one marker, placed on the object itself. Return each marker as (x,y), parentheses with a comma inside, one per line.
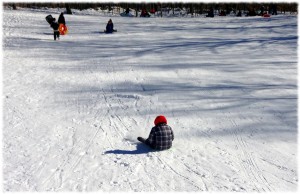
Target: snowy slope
(73,108)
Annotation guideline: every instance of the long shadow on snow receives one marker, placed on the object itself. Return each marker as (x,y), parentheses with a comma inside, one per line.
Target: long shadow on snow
(212,44)
(232,95)
(140,149)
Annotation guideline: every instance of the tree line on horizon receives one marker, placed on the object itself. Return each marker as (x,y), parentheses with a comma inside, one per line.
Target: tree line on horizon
(192,8)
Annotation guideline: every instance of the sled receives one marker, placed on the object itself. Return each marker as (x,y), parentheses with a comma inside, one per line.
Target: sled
(50,19)
(110,32)
(124,14)
(63,29)
(145,16)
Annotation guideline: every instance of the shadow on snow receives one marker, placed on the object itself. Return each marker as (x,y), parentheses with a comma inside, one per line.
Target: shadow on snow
(140,149)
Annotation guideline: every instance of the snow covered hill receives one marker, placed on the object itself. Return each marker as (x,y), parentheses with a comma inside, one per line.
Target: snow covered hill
(72,108)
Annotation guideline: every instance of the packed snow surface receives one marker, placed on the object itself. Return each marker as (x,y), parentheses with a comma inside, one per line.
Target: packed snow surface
(72,108)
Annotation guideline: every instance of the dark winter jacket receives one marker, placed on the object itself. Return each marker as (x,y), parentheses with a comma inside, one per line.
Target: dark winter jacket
(61,19)
(55,26)
(161,137)
(109,27)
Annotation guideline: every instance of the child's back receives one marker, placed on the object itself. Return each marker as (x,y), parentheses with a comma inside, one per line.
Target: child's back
(161,135)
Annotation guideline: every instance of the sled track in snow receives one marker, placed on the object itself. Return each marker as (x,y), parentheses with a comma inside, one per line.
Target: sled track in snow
(62,173)
(193,177)
(248,163)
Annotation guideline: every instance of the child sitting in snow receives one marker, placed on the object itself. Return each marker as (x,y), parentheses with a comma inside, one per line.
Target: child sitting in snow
(161,135)
(109,27)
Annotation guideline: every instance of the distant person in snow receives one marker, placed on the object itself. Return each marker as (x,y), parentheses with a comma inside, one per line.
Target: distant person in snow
(262,10)
(61,19)
(55,27)
(109,26)
(251,12)
(144,13)
(210,13)
(161,135)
